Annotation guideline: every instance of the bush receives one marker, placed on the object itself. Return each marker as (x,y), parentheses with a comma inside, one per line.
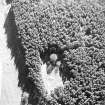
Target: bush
(75,31)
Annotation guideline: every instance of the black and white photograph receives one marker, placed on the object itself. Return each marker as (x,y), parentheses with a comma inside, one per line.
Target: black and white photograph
(52,52)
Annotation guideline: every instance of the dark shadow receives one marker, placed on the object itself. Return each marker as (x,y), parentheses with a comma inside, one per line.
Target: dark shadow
(14,43)
(8,1)
(17,52)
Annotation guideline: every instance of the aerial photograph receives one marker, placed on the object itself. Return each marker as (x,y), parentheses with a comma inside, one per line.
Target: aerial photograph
(52,52)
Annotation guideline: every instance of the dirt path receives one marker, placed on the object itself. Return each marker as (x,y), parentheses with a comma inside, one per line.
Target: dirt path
(52,80)
(10,93)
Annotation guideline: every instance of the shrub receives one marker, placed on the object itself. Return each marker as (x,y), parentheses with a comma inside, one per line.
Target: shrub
(75,31)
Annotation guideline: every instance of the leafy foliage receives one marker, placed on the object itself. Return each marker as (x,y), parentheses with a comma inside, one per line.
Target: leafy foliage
(76,32)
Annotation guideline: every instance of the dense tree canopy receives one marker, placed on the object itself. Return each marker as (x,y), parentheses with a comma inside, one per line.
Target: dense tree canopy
(75,31)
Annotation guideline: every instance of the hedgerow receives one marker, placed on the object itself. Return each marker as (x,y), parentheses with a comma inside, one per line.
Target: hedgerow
(75,31)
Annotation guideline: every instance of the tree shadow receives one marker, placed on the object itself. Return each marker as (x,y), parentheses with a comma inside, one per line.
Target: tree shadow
(17,52)
(8,1)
